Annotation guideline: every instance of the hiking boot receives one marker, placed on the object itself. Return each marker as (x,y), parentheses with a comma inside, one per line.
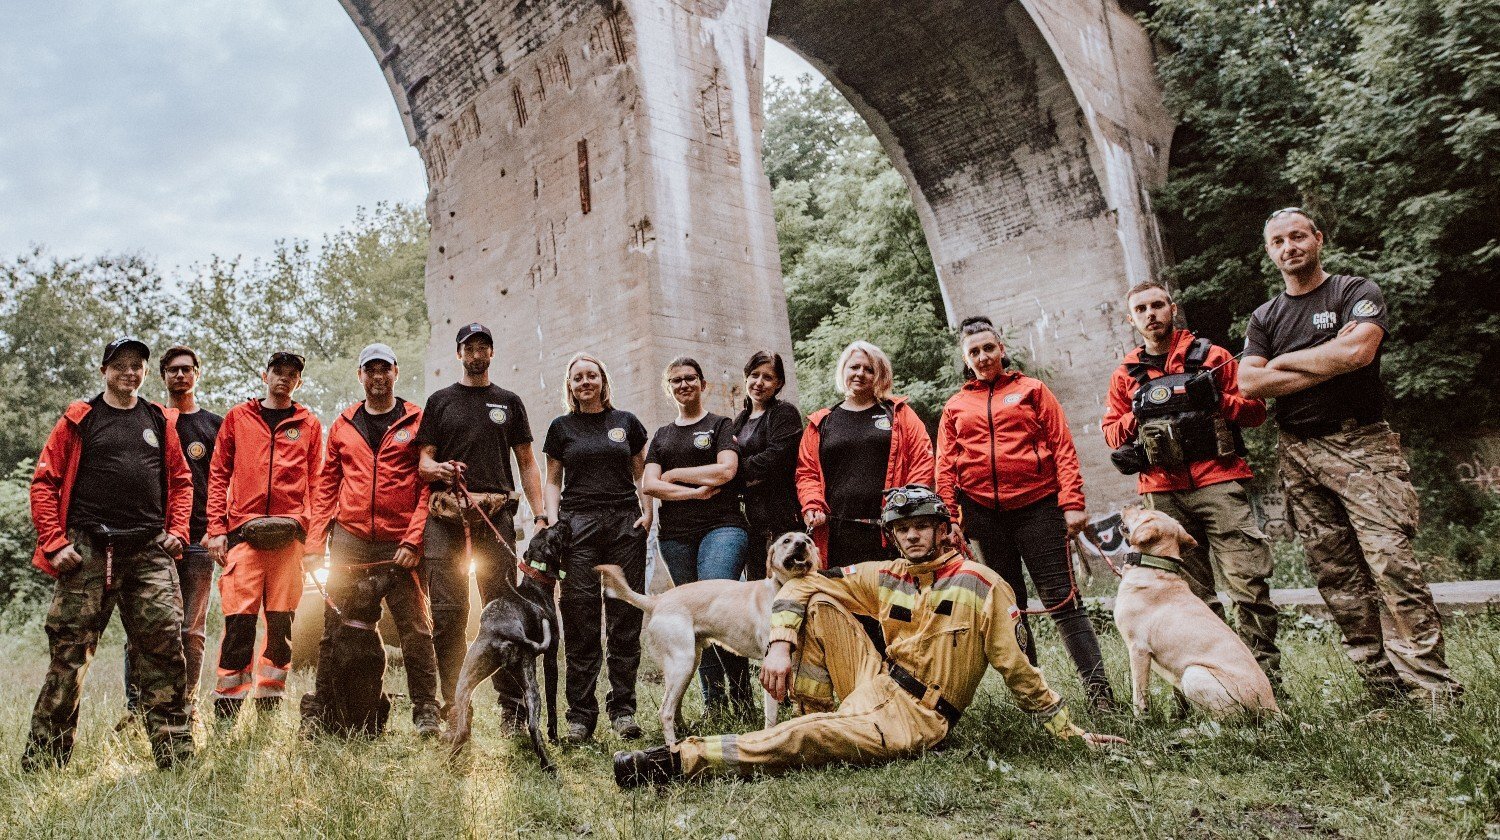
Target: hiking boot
(578,733)
(426,719)
(37,758)
(267,705)
(512,720)
(1436,703)
(1102,698)
(626,727)
(171,753)
(656,766)
(227,707)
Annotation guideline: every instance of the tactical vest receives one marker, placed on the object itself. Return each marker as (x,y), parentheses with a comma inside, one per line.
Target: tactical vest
(1178,414)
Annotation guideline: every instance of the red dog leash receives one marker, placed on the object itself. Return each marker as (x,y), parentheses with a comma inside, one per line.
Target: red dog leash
(465,502)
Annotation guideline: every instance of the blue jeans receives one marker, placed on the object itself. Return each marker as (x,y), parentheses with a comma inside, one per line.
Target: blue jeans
(716,555)
(195,576)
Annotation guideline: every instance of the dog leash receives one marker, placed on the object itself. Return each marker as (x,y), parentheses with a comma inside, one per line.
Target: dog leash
(465,502)
(1099,550)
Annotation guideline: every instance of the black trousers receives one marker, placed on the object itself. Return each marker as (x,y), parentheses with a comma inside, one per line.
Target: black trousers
(448,588)
(600,536)
(1036,537)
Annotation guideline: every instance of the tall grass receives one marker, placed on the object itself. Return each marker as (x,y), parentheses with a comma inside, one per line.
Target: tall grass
(1335,767)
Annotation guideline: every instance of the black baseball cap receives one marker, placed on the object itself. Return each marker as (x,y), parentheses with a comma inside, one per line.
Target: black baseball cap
(471,330)
(125,342)
(286,357)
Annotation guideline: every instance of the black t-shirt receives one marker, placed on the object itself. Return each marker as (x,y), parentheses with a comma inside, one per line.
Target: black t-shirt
(697,445)
(477,426)
(197,432)
(1287,323)
(1158,362)
(275,416)
(855,448)
(120,480)
(595,451)
(372,427)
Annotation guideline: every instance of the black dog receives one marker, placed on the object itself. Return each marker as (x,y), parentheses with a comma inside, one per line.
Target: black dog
(513,631)
(350,700)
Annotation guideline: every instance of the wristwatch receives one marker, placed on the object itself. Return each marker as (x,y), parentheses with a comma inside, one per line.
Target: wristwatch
(541,517)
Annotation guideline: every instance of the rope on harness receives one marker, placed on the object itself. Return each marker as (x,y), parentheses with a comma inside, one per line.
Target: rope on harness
(466,502)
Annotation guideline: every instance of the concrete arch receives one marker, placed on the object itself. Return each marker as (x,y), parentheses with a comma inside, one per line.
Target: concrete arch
(595,175)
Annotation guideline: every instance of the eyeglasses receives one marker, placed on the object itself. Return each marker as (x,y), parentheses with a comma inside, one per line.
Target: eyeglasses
(683,380)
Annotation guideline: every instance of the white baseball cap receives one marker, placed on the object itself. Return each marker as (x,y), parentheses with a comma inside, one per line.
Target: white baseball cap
(377,351)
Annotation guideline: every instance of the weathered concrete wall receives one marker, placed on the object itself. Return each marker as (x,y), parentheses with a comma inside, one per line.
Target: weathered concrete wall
(596,179)
(1029,133)
(595,184)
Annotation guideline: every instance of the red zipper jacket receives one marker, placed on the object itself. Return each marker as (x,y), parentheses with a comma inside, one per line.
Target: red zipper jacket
(910,461)
(57,467)
(376,496)
(255,473)
(1119,422)
(1006,444)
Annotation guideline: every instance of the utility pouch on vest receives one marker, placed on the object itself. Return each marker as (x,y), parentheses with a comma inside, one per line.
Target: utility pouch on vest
(443,505)
(269,533)
(1179,414)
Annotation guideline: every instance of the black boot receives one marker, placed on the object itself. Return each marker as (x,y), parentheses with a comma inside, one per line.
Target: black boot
(656,766)
(226,708)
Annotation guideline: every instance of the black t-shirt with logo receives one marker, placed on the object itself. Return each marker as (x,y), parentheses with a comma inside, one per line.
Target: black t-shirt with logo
(1288,323)
(197,432)
(855,448)
(478,426)
(276,416)
(696,445)
(595,451)
(372,427)
(120,480)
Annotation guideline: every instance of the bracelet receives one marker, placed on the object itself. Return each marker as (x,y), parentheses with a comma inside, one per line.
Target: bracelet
(540,518)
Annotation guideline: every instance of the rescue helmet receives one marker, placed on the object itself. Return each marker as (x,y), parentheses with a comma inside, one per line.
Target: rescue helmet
(912,501)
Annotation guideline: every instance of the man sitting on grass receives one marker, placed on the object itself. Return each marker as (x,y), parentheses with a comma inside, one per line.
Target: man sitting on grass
(944,619)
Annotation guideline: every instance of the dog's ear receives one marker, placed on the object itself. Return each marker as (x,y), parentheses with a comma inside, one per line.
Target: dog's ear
(1184,537)
(1145,532)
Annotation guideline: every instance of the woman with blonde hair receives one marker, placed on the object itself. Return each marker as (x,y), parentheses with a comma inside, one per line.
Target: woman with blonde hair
(852,452)
(595,462)
(702,533)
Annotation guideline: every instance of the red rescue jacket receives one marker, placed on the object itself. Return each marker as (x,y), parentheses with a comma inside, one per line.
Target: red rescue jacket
(255,473)
(910,461)
(1006,444)
(375,496)
(1119,424)
(57,467)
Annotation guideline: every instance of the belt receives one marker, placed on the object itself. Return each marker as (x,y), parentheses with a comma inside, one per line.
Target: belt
(1327,427)
(918,689)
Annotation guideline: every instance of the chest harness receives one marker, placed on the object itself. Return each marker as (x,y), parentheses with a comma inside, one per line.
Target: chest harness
(1177,417)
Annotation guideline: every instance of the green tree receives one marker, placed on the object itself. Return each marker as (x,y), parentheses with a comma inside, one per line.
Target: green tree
(853,255)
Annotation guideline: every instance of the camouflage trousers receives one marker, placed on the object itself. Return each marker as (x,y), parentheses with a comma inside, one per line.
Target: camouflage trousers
(143,583)
(1220,518)
(1350,498)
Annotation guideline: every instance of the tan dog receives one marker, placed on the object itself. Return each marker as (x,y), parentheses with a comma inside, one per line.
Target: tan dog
(734,614)
(1168,628)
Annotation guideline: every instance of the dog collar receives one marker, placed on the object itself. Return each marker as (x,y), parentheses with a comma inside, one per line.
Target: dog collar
(1166,564)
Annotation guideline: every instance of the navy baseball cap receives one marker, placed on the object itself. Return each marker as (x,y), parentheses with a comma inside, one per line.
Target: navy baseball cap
(471,330)
(286,357)
(125,342)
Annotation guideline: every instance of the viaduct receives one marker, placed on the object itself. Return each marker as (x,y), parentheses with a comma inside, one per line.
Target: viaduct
(595,178)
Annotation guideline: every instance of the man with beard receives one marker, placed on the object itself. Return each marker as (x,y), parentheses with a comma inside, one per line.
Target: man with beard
(469,431)
(1181,390)
(370,511)
(196,429)
(1316,349)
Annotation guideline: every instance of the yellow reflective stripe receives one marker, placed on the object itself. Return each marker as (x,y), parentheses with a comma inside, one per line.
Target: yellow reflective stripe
(892,597)
(1061,724)
(787,619)
(958,596)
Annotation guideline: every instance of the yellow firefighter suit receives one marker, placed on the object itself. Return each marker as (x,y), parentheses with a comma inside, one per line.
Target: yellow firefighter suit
(944,621)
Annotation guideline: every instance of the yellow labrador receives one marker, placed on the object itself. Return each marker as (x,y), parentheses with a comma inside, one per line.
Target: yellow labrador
(734,614)
(1168,629)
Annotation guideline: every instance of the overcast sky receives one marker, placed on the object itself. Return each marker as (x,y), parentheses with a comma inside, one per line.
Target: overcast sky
(190,128)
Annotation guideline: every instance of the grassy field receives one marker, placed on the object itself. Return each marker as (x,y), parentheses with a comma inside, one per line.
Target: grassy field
(1333,768)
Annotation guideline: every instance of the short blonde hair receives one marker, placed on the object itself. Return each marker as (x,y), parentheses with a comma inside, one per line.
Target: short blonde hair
(878,360)
(569,402)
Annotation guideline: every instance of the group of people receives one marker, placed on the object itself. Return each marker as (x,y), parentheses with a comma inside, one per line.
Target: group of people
(135,502)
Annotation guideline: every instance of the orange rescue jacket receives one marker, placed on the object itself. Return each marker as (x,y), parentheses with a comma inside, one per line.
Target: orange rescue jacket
(1006,444)
(57,467)
(375,496)
(256,473)
(910,461)
(1119,424)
